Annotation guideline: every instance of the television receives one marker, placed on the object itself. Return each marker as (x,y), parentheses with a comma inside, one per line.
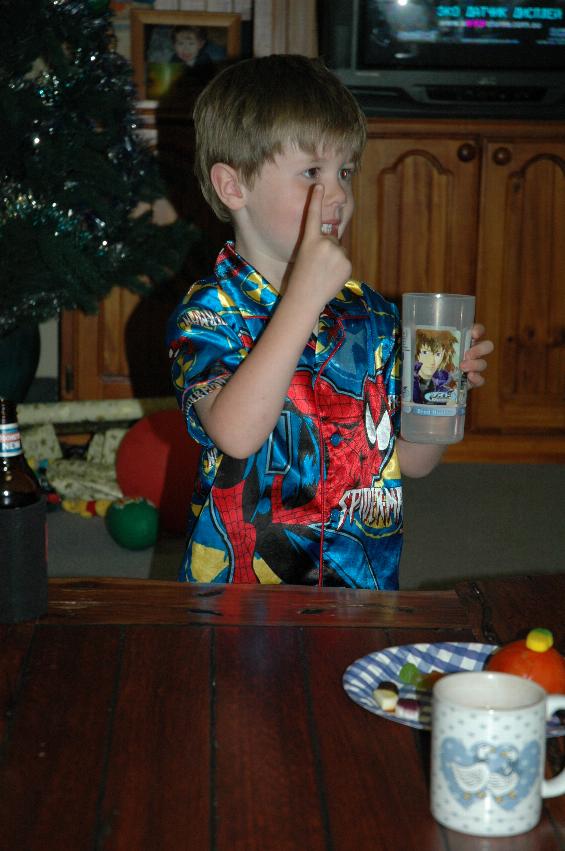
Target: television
(503,58)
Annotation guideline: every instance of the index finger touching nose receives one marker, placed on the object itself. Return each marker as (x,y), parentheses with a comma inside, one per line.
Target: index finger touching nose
(314,214)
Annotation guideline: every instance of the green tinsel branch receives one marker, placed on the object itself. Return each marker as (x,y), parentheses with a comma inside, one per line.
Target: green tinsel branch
(73,168)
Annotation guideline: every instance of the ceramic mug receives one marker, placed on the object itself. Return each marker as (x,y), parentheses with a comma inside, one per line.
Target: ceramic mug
(488,753)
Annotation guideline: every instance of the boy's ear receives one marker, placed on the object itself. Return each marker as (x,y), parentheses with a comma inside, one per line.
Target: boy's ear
(225,181)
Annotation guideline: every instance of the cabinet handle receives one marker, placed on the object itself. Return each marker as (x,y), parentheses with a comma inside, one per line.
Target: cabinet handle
(501,156)
(467,152)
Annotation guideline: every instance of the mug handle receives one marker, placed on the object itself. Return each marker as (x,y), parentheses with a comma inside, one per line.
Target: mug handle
(555,786)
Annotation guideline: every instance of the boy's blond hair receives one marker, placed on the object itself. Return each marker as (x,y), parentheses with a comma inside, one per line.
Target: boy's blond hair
(251,110)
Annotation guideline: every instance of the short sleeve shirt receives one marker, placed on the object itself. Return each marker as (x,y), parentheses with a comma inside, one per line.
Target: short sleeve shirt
(321,501)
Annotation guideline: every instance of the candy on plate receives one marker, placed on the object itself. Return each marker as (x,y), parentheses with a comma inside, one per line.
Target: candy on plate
(408,709)
(410,675)
(386,695)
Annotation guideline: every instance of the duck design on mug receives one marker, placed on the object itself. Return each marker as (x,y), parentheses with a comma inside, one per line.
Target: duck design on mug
(501,772)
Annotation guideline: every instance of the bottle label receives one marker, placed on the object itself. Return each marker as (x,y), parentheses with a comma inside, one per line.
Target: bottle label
(433,385)
(10,440)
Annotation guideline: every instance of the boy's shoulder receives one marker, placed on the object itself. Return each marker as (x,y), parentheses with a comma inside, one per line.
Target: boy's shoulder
(216,290)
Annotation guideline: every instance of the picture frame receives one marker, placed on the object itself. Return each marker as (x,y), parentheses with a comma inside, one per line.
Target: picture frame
(164,44)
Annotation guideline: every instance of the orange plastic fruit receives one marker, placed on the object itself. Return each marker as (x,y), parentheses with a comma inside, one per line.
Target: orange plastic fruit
(533,658)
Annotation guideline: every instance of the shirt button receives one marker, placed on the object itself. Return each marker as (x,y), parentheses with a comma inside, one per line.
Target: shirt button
(335,439)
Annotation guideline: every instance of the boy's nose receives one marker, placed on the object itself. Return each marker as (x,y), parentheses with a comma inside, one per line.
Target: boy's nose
(334,193)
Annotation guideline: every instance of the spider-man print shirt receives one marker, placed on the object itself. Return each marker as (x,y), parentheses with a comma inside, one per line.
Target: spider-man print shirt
(321,501)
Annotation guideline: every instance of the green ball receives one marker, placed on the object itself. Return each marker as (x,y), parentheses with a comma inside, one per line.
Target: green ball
(133,523)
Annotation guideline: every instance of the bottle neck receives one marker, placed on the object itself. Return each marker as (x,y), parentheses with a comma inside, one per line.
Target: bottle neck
(10,437)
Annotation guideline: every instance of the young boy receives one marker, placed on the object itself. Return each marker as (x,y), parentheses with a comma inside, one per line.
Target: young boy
(287,370)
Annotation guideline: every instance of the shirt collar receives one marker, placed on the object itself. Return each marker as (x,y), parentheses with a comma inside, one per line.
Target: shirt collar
(234,271)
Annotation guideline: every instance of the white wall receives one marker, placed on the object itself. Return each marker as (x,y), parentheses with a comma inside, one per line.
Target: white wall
(49,358)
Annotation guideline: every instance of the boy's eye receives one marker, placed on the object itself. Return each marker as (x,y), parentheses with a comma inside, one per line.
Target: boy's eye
(346,173)
(312,172)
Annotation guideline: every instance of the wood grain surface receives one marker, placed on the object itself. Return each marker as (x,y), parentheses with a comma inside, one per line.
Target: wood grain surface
(188,720)
(128,601)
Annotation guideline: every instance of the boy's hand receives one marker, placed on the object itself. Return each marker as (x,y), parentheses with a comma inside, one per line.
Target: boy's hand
(321,267)
(474,361)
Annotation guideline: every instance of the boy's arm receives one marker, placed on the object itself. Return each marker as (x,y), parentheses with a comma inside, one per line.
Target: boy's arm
(419,459)
(240,415)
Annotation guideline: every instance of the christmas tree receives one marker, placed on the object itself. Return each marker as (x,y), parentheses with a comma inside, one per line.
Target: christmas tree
(73,167)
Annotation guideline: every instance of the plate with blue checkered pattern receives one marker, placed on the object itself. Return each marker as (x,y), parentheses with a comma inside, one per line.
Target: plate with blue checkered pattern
(364,675)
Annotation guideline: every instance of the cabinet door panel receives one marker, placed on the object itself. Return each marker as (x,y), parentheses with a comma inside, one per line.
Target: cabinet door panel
(415,225)
(94,364)
(521,286)
(120,352)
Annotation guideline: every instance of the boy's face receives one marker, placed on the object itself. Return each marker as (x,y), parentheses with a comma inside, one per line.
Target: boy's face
(187,45)
(276,204)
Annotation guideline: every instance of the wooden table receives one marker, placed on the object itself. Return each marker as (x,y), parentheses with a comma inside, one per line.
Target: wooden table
(152,716)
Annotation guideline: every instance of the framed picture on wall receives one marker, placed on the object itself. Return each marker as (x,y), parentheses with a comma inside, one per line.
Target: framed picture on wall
(165,45)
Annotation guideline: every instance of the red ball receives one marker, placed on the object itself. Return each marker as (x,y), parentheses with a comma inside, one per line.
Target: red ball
(157,459)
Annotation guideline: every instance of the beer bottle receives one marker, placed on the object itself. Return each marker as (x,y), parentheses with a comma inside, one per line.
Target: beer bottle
(23,559)
(18,485)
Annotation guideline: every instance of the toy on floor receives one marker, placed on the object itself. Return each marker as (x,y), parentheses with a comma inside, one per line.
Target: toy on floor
(133,523)
(87,507)
(157,459)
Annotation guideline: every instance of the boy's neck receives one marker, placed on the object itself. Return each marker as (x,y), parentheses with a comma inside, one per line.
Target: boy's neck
(275,272)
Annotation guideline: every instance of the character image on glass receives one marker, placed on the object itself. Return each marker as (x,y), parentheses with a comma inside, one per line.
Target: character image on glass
(434,366)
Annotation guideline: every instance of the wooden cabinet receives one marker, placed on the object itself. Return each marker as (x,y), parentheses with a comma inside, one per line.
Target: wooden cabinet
(118,353)
(94,352)
(478,207)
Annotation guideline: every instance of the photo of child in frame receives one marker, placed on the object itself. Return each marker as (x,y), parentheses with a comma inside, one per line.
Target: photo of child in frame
(434,366)
(192,46)
(172,50)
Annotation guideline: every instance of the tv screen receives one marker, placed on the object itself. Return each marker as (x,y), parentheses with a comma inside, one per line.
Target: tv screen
(432,34)
(436,57)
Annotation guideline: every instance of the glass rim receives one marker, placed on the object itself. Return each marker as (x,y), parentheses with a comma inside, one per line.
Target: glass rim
(438,295)
(441,690)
